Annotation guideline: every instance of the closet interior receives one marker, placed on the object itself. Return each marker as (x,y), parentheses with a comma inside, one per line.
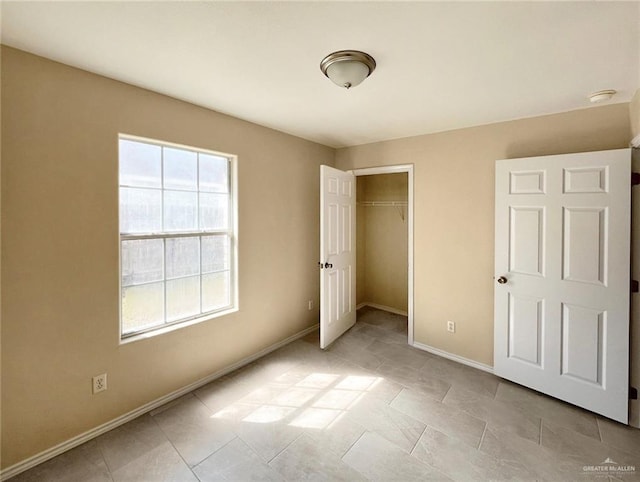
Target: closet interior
(382,241)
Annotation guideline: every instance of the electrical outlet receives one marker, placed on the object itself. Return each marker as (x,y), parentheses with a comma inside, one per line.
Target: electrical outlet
(310,305)
(451,327)
(100,383)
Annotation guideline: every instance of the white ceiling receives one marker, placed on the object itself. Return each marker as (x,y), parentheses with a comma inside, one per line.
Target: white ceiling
(441,65)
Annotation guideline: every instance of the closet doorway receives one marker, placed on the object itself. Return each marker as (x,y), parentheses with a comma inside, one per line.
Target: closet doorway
(384,240)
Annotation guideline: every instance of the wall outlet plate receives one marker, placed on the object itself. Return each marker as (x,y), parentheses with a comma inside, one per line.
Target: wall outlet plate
(310,305)
(99,383)
(451,327)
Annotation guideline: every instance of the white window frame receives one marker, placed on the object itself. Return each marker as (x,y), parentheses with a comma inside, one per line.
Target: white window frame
(232,232)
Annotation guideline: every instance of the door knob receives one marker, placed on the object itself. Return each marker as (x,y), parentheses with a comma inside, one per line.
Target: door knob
(502,280)
(328,265)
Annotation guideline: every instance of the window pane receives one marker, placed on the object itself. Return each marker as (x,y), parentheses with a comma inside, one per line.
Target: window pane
(142,261)
(139,164)
(140,210)
(215,253)
(215,291)
(183,257)
(214,211)
(142,307)
(173,266)
(214,173)
(183,298)
(180,169)
(180,211)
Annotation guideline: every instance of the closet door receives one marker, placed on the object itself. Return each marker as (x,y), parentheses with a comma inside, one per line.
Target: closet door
(337,253)
(562,259)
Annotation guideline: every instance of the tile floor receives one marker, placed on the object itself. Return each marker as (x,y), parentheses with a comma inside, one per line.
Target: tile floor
(369,408)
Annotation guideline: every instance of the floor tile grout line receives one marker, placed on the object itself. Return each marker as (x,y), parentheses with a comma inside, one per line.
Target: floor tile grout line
(397,395)
(104,459)
(495,394)
(424,461)
(176,448)
(446,393)
(195,394)
(350,361)
(180,455)
(418,439)
(484,431)
(599,431)
(212,453)
(354,443)
(284,449)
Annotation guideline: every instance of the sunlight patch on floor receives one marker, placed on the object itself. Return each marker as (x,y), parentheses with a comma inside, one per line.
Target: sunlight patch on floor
(269,414)
(318,401)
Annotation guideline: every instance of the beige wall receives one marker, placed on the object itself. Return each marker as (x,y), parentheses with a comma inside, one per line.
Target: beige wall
(60,249)
(454,209)
(382,267)
(634,114)
(361,242)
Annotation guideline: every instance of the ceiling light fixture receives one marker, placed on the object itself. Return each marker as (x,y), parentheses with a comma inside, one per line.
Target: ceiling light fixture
(602,95)
(347,68)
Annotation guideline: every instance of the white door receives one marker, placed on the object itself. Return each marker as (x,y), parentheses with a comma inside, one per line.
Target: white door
(337,253)
(562,277)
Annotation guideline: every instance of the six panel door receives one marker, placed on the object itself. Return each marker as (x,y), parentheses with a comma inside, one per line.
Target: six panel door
(562,257)
(337,253)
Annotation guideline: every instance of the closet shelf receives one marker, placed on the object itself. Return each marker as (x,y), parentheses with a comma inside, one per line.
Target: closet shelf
(398,204)
(382,203)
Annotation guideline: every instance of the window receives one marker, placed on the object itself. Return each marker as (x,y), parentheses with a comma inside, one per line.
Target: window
(177,234)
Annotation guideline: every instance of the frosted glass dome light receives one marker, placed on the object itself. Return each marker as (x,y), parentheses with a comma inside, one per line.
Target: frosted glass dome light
(601,95)
(347,68)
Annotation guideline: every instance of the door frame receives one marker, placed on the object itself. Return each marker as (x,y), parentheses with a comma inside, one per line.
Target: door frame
(394,169)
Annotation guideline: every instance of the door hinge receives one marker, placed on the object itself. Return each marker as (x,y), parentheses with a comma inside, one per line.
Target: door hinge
(635,178)
(633,393)
(634,286)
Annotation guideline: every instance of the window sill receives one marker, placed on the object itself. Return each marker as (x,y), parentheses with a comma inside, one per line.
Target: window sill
(175,326)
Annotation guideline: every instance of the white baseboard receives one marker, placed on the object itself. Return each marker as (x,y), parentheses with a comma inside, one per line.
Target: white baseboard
(383,308)
(430,349)
(147,407)
(456,358)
